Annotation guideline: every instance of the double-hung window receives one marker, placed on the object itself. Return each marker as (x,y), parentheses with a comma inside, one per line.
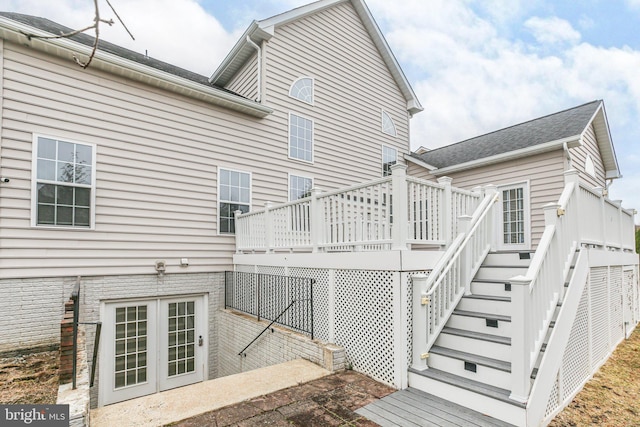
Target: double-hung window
(64,183)
(300,138)
(234,194)
(389,158)
(299,187)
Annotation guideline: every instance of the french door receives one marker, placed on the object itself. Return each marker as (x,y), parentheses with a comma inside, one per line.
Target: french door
(514,220)
(151,345)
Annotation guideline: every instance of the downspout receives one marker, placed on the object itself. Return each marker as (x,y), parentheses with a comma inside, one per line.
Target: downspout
(259,79)
(567,154)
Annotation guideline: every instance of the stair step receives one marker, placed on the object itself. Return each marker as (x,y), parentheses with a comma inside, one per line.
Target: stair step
(490,287)
(470,385)
(519,258)
(482,315)
(473,358)
(500,272)
(480,322)
(477,336)
(494,304)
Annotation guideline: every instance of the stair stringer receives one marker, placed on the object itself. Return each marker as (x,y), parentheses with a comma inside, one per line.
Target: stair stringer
(558,340)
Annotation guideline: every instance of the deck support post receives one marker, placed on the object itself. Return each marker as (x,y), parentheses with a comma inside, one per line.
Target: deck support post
(420,319)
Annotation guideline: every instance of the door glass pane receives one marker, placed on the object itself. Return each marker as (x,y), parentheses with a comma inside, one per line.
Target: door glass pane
(181,338)
(513,216)
(130,346)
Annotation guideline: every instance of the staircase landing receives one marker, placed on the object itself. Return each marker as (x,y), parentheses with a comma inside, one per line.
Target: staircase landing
(415,408)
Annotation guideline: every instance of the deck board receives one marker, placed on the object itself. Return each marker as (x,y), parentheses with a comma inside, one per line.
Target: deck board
(411,408)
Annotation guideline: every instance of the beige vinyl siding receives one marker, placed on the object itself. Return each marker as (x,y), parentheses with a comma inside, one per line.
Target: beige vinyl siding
(158,153)
(420,172)
(245,82)
(351,87)
(579,157)
(544,172)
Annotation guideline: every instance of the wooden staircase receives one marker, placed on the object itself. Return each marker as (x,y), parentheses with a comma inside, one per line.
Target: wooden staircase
(470,362)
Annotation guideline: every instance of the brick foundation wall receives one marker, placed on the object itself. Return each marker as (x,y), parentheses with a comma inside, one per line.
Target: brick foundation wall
(30,312)
(277,345)
(65,371)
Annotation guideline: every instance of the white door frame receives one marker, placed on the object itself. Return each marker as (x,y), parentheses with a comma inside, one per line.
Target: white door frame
(526,198)
(156,355)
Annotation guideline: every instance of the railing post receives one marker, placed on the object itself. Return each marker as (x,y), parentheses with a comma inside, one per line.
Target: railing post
(620,228)
(603,221)
(399,206)
(520,339)
(268,228)
(238,238)
(420,320)
(494,234)
(316,220)
(464,224)
(447,210)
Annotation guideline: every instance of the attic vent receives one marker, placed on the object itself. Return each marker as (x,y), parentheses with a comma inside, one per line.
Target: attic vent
(589,167)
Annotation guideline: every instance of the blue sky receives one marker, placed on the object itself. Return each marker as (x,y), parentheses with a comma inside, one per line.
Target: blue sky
(476,65)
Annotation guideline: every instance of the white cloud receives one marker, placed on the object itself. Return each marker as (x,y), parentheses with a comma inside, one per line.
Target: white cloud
(175,31)
(552,30)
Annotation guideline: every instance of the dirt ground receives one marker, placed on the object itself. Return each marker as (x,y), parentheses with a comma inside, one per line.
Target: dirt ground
(30,378)
(611,398)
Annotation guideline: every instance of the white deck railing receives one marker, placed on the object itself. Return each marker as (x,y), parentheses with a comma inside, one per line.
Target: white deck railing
(581,216)
(387,213)
(437,295)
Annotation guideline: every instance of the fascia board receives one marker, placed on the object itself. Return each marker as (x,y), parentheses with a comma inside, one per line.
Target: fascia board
(600,116)
(13,31)
(419,162)
(572,141)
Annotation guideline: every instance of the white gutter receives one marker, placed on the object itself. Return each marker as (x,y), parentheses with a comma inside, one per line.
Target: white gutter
(572,141)
(259,71)
(13,31)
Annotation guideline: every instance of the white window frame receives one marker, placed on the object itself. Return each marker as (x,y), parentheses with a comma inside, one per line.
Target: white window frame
(35,182)
(382,162)
(526,197)
(289,176)
(384,115)
(220,200)
(312,138)
(313,87)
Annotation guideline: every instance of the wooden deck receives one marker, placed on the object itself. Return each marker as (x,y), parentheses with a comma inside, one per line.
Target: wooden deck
(415,408)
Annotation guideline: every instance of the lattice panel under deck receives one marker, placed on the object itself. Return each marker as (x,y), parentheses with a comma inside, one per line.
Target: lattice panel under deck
(554,402)
(364,320)
(575,362)
(245,268)
(616,304)
(275,271)
(320,299)
(599,312)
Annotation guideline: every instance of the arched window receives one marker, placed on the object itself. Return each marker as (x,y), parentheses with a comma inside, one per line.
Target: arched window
(302,89)
(388,126)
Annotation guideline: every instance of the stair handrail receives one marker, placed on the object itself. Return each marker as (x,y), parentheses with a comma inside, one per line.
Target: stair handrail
(535,294)
(242,352)
(428,326)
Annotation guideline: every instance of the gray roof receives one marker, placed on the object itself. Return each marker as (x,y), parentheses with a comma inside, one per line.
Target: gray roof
(554,127)
(85,39)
